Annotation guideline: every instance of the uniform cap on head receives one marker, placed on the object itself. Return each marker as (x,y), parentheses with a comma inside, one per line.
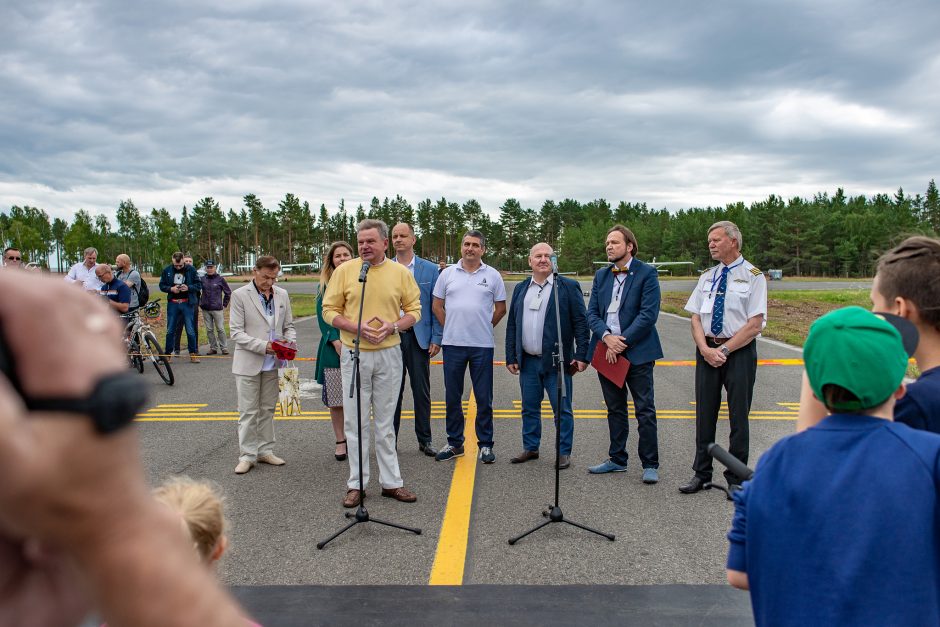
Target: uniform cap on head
(210,263)
(866,353)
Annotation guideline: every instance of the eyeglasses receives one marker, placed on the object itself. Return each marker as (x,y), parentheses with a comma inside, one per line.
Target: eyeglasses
(12,258)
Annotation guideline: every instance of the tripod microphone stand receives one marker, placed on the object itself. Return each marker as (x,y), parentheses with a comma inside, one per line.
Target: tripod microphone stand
(355,386)
(554,512)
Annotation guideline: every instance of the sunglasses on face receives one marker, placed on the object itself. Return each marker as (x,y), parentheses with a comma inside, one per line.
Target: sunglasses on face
(12,258)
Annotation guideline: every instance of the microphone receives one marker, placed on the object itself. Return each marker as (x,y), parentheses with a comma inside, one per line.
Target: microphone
(554,263)
(731,462)
(362,273)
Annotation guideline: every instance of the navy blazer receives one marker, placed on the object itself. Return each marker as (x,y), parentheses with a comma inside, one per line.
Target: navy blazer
(428,330)
(574,326)
(639,309)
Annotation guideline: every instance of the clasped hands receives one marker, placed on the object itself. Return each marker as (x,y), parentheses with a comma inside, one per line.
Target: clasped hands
(615,345)
(376,330)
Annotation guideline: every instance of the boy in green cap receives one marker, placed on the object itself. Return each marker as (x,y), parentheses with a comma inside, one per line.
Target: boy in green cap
(840,523)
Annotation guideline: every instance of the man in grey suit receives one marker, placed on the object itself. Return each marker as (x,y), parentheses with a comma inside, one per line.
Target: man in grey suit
(260,314)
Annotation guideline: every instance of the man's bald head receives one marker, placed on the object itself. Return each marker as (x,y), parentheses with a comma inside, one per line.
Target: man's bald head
(541,245)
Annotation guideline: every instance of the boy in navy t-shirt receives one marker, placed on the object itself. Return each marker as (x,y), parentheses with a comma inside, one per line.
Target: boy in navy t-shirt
(840,523)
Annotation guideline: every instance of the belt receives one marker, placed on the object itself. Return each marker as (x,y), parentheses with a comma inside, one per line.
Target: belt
(524,354)
(179,300)
(715,342)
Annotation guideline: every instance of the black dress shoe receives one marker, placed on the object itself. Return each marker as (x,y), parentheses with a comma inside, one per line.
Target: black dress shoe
(694,485)
(427,449)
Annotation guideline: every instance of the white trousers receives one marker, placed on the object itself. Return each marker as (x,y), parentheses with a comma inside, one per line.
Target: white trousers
(257,396)
(380,376)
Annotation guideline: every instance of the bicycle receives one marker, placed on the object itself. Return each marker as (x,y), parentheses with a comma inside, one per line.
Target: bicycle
(142,344)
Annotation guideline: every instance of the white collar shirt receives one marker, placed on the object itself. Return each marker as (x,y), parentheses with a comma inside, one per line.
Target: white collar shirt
(616,294)
(745,296)
(80,273)
(534,310)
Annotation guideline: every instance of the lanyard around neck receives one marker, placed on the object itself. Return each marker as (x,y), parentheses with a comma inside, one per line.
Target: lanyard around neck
(715,274)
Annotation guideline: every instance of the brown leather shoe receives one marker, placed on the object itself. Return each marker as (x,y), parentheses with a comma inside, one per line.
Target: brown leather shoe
(193,359)
(564,461)
(352,498)
(400,494)
(524,456)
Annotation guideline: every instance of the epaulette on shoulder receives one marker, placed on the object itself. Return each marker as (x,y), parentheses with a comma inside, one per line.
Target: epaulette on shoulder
(756,272)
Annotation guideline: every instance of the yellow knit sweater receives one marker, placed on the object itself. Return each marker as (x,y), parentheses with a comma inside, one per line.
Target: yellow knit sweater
(390,289)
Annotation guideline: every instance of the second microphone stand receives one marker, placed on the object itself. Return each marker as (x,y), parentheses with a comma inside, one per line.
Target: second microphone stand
(362,514)
(554,513)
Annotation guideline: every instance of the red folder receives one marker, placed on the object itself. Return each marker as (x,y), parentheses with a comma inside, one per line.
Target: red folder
(616,373)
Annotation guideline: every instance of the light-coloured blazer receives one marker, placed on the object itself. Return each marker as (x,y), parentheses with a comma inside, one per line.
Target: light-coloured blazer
(249,328)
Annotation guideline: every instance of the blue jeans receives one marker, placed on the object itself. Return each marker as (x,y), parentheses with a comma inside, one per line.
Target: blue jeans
(535,384)
(480,360)
(175,311)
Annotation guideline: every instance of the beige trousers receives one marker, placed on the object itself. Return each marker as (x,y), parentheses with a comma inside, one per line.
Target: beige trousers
(257,396)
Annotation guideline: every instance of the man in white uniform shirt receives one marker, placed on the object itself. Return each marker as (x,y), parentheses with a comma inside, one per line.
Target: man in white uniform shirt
(729,310)
(469,300)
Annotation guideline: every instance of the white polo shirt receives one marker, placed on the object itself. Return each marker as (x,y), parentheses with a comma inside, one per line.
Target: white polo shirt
(745,297)
(469,298)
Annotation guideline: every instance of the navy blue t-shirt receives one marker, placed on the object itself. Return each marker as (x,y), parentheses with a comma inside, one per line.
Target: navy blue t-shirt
(840,526)
(117,291)
(920,407)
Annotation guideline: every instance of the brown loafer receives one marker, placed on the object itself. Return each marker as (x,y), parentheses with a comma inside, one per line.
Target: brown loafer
(564,461)
(400,494)
(524,456)
(352,498)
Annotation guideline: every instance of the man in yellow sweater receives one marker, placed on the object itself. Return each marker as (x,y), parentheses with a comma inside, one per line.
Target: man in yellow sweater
(392,304)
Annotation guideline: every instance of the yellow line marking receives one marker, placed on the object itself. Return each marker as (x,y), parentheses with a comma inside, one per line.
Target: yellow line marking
(169,405)
(451,553)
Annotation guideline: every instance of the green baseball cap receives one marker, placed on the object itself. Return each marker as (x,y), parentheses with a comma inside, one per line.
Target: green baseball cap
(866,353)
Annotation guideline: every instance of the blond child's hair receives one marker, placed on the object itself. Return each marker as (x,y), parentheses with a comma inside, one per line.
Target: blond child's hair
(201,507)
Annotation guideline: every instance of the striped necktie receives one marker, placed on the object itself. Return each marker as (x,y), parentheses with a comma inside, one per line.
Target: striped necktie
(718,313)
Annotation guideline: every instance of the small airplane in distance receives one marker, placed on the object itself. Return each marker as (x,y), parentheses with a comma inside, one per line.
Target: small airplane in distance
(656,264)
(287,267)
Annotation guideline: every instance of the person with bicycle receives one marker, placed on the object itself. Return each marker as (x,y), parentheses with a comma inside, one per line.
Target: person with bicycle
(130,277)
(113,289)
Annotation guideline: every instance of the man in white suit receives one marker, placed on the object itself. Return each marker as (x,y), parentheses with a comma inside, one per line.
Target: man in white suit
(260,314)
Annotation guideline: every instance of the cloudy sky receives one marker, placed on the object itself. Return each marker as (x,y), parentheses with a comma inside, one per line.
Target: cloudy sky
(675,103)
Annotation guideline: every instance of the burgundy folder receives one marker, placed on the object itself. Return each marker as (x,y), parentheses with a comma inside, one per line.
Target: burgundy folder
(616,373)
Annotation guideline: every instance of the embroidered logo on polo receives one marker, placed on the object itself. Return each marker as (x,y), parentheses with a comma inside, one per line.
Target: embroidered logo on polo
(483,282)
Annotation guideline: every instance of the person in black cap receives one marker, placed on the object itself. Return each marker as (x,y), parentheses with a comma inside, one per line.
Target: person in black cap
(215,296)
(840,523)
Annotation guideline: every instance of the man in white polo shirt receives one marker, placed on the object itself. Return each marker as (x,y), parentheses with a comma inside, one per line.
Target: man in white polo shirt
(469,300)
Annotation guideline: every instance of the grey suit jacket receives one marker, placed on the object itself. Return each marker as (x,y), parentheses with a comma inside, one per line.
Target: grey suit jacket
(249,327)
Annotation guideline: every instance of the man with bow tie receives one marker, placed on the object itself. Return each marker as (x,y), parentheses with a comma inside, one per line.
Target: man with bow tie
(729,310)
(622,315)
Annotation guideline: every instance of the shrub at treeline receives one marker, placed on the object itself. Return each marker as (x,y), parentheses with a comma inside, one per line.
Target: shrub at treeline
(828,235)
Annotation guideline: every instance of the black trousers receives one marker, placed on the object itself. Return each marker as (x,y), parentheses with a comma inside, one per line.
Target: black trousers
(737,376)
(417,366)
(640,383)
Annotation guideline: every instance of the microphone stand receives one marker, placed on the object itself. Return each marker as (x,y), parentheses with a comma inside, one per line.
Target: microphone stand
(362,514)
(732,463)
(554,513)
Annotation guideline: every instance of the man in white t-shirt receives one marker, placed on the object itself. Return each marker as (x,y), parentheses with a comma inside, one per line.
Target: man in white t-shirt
(469,300)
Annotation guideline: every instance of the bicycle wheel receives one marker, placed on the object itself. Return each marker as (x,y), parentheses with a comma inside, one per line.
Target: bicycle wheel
(136,356)
(158,359)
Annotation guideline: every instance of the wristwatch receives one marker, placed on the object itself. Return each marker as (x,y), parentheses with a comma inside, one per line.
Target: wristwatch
(112,404)
(395,329)
(725,351)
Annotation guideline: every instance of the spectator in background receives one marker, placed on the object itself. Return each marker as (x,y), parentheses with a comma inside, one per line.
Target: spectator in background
(112,288)
(215,296)
(180,282)
(83,272)
(12,258)
(130,277)
(188,261)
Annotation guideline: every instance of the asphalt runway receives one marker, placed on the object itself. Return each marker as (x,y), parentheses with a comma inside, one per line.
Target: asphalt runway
(277,515)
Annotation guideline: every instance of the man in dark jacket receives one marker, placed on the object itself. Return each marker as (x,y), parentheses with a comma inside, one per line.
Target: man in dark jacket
(215,296)
(181,284)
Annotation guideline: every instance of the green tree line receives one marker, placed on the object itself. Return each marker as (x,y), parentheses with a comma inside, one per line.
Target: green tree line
(835,235)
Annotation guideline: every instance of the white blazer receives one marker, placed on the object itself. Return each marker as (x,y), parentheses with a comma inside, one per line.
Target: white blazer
(249,327)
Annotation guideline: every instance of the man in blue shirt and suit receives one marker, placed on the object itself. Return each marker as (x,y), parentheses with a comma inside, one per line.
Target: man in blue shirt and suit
(622,314)
(531,337)
(420,342)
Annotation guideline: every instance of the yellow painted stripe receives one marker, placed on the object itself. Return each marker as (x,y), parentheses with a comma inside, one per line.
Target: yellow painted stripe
(168,405)
(451,553)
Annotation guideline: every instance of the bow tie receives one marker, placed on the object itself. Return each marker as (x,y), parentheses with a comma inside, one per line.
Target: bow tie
(617,270)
